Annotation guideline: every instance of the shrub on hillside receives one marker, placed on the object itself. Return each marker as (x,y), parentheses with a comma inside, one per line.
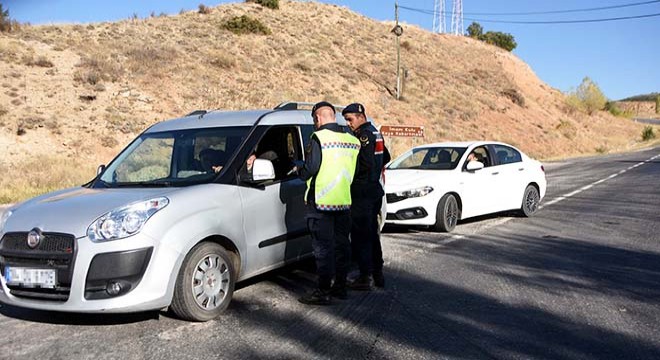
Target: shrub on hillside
(245,25)
(613,109)
(648,134)
(5,21)
(475,30)
(203,9)
(657,104)
(504,40)
(587,97)
(271,4)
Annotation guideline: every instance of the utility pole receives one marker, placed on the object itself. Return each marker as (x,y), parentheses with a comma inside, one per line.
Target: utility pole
(398,31)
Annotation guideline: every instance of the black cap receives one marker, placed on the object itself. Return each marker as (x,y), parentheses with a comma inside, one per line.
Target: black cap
(354,108)
(322,104)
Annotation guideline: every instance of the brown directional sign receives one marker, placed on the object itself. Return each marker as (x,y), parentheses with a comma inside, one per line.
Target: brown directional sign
(402,130)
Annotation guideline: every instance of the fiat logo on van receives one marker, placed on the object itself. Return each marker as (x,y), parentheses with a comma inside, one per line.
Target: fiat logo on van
(34,238)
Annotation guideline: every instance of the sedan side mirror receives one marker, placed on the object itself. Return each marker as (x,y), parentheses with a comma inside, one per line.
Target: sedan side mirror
(262,170)
(100,169)
(474,166)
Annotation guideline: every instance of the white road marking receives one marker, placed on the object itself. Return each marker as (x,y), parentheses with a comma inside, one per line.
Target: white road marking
(587,187)
(501,221)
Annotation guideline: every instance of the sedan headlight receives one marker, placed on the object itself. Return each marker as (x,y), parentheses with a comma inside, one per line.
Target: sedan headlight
(418,192)
(3,219)
(125,221)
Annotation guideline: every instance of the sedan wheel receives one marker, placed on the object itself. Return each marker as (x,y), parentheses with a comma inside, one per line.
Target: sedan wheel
(531,200)
(447,214)
(205,283)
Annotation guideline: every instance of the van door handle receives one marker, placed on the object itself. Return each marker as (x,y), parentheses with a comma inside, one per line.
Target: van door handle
(496,172)
(521,169)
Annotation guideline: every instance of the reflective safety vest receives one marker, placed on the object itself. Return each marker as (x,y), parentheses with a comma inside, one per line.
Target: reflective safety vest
(332,187)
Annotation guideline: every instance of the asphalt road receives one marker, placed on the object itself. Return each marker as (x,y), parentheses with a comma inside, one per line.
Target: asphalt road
(581,280)
(649,121)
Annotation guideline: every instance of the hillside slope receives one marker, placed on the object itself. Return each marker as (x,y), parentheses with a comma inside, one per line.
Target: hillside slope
(73,95)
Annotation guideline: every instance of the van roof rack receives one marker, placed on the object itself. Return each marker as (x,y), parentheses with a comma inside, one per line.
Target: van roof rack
(299,105)
(197,112)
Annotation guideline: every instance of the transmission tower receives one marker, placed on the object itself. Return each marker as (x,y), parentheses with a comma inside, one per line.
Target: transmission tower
(439,17)
(457,18)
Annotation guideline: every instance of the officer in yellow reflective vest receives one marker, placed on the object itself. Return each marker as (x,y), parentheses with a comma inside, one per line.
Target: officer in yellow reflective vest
(329,168)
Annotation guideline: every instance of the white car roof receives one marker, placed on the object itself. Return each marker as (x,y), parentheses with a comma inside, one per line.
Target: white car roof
(462,144)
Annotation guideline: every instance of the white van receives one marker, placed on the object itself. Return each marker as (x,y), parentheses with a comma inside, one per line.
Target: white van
(176,219)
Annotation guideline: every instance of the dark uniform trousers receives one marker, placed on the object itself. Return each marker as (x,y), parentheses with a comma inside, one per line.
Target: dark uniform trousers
(365,240)
(330,231)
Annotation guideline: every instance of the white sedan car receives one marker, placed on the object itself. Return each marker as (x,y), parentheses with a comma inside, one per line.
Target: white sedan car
(439,184)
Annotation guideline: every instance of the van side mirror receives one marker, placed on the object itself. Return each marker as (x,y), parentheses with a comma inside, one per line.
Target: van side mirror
(262,170)
(100,169)
(474,166)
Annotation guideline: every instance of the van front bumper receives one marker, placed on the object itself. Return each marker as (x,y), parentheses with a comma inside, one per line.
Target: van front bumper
(128,275)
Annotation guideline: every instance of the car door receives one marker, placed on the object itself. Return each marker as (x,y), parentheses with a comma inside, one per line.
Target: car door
(275,226)
(479,188)
(512,176)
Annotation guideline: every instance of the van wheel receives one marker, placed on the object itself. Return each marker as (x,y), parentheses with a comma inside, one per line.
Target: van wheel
(205,284)
(447,214)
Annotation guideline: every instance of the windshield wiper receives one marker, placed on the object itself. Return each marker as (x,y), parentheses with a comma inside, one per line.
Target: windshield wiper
(143,184)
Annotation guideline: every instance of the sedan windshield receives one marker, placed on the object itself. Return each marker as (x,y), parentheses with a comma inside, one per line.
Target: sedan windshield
(174,158)
(430,158)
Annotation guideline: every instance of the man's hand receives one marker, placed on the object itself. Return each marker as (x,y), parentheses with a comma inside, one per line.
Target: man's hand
(297,165)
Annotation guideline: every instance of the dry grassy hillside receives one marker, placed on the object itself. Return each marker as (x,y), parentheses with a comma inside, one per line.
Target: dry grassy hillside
(72,95)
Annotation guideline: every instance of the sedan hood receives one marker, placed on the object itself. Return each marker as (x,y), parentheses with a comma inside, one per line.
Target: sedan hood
(399,180)
(71,211)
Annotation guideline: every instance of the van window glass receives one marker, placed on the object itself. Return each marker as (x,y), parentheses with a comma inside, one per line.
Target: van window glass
(174,158)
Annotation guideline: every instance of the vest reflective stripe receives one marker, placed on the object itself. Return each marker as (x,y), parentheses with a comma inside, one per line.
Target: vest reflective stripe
(332,187)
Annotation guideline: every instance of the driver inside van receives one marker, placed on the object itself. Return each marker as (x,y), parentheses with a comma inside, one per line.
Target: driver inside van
(211,160)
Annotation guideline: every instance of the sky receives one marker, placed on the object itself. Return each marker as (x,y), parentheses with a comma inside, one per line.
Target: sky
(622,57)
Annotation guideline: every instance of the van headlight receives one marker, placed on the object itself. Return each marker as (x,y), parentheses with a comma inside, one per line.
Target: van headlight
(418,192)
(125,221)
(3,219)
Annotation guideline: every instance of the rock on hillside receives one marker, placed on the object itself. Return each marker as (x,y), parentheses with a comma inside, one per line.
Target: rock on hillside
(81,92)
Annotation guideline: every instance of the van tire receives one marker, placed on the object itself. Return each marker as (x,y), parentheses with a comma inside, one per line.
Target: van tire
(205,284)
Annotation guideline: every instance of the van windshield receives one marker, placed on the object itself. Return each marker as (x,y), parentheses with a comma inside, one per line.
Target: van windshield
(174,158)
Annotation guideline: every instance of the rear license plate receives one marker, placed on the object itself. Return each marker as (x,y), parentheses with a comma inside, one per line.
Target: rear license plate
(45,278)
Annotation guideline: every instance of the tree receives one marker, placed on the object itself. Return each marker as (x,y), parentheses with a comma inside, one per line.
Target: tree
(591,98)
(5,21)
(500,39)
(503,40)
(475,30)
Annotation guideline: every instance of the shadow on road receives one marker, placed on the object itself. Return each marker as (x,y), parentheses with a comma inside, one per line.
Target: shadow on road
(423,314)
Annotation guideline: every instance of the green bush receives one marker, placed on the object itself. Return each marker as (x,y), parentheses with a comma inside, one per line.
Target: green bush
(612,107)
(588,97)
(648,134)
(500,39)
(245,25)
(5,21)
(657,104)
(497,38)
(203,9)
(475,30)
(271,4)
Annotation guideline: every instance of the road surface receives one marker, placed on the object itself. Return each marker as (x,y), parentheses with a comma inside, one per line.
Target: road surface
(581,280)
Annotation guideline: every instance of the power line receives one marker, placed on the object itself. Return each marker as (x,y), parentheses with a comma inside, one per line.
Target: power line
(565,21)
(426,11)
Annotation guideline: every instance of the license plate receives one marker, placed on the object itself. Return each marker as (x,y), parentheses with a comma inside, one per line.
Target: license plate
(45,278)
